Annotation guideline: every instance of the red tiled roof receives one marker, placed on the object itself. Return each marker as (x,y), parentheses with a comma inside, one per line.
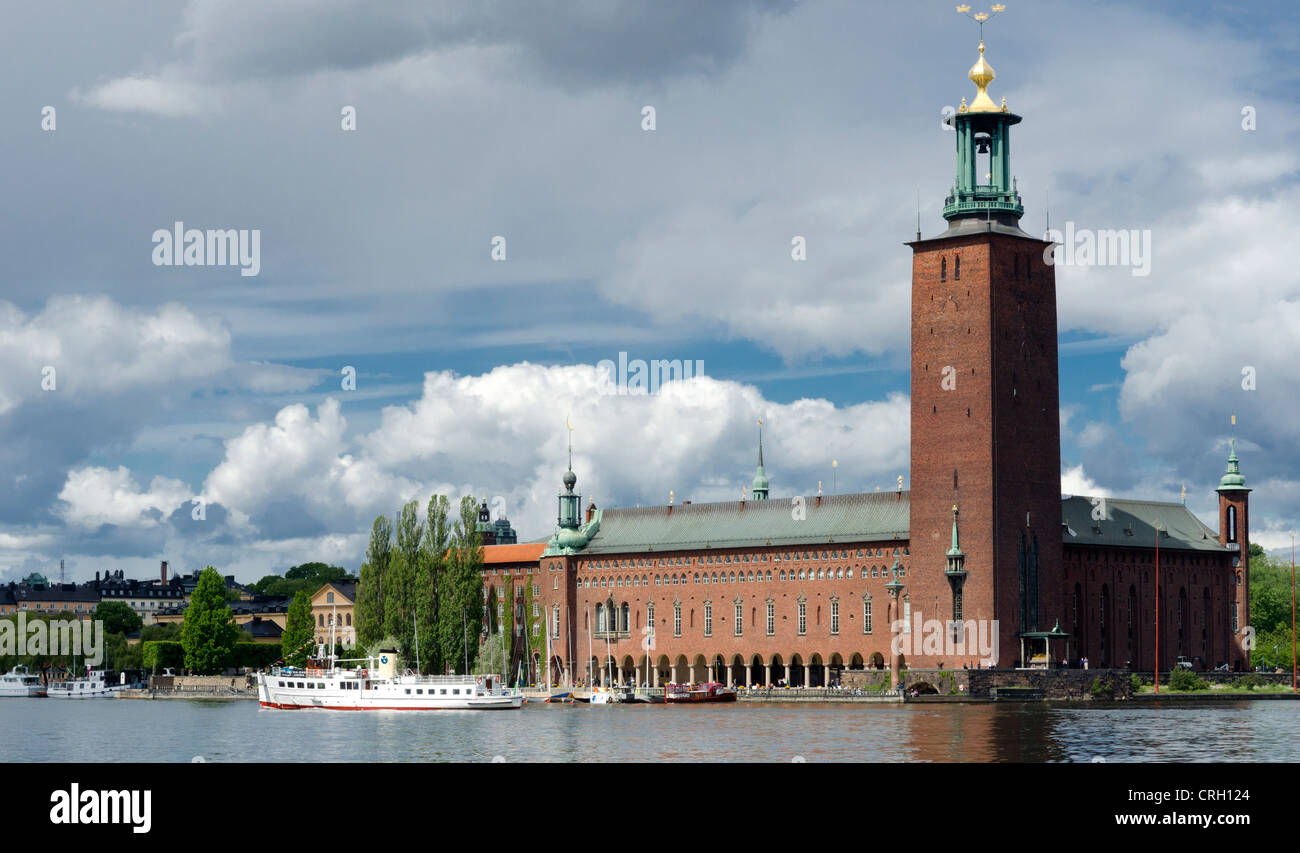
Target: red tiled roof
(529,552)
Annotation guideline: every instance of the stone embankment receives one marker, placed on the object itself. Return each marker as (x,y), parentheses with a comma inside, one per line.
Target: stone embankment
(195,687)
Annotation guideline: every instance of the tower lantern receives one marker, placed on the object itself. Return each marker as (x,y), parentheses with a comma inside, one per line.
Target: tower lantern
(984,186)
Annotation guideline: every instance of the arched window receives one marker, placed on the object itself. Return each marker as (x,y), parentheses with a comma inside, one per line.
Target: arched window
(956,267)
(943,269)
(1232,524)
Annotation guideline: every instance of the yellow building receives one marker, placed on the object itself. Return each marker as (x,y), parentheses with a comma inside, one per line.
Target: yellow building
(334,605)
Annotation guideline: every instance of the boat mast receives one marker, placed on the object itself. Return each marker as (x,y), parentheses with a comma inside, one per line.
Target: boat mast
(415,620)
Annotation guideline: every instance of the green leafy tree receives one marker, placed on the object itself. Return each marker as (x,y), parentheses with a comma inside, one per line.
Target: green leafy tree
(299,631)
(460,598)
(118,617)
(433,564)
(403,576)
(209,633)
(1270,592)
(374,573)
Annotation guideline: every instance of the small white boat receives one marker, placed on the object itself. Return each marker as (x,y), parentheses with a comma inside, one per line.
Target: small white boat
(606,696)
(93,686)
(20,682)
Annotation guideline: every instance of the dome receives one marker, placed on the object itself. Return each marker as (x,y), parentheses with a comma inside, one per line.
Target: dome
(981,74)
(569,538)
(570,479)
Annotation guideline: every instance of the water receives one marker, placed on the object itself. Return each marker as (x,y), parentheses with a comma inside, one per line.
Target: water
(111,730)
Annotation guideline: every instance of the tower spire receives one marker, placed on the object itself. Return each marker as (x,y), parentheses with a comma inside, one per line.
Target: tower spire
(760,485)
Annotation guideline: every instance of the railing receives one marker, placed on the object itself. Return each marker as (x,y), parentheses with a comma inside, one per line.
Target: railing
(611,635)
(815,692)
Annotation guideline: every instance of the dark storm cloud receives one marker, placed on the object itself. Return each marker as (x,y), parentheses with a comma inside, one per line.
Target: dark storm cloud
(577,43)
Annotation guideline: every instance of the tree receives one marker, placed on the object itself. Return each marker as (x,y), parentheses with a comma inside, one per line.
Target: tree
(370,591)
(433,563)
(118,617)
(403,577)
(209,633)
(1270,593)
(460,598)
(299,631)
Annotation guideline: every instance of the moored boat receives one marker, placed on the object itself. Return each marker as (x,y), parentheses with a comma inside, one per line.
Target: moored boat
(378,687)
(20,682)
(681,694)
(93,686)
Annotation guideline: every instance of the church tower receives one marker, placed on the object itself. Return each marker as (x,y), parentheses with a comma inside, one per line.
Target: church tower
(985,422)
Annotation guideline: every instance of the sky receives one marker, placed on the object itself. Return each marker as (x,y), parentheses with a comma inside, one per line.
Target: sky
(464,204)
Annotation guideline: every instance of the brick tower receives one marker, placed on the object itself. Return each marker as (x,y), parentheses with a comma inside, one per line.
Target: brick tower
(985,420)
(1234,532)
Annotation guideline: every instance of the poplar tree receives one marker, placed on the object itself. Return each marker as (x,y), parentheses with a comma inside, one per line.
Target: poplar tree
(299,631)
(460,599)
(370,587)
(401,586)
(433,562)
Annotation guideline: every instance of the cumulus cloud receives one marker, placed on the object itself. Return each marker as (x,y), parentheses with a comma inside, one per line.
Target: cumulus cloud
(501,435)
(95,496)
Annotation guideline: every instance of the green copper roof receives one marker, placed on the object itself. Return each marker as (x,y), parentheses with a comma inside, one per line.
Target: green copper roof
(1132,523)
(1233,479)
(880,516)
(870,517)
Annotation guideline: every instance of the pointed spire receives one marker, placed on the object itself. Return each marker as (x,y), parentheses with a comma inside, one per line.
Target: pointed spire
(760,484)
(956,559)
(956,548)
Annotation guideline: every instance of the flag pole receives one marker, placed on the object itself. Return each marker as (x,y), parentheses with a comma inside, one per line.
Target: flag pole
(1157,656)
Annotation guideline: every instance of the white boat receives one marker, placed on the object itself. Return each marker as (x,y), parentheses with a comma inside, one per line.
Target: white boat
(20,682)
(606,696)
(377,687)
(93,686)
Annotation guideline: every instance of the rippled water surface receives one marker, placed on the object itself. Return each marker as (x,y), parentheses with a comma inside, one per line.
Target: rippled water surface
(128,730)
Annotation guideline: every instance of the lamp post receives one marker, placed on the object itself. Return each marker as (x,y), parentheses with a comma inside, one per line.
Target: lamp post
(894,587)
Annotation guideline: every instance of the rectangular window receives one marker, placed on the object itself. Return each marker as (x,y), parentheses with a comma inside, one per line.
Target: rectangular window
(866,615)
(907,617)
(740,619)
(803,618)
(534,608)
(771,618)
(1234,617)
(536,590)
(835,617)
(677,620)
(708,620)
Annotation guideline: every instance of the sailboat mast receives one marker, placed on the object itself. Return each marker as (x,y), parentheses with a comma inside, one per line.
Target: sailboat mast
(415,620)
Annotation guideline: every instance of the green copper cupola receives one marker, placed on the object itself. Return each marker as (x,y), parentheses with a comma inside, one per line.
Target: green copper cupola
(1232,480)
(570,501)
(985,187)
